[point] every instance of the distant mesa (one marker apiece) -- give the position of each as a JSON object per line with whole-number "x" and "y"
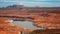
{"x": 19, "y": 7}
{"x": 13, "y": 7}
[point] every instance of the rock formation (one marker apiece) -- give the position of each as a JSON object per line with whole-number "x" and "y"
{"x": 46, "y": 18}
{"x": 41, "y": 19}
{"x": 7, "y": 27}
{"x": 50, "y": 22}
{"x": 47, "y": 31}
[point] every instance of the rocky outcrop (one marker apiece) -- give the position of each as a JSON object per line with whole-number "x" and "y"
{"x": 50, "y": 22}
{"x": 47, "y": 31}
{"x": 41, "y": 19}
{"x": 7, "y": 27}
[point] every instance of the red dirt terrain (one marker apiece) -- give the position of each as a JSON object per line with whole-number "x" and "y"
{"x": 7, "y": 27}
{"x": 45, "y": 18}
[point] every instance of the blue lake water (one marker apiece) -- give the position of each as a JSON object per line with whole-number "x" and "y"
{"x": 26, "y": 24}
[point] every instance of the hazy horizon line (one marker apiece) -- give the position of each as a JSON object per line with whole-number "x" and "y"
{"x": 19, "y": 4}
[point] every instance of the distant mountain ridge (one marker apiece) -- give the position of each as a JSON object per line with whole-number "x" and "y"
{"x": 19, "y": 7}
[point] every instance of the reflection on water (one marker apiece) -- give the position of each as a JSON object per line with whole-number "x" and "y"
{"x": 26, "y": 24}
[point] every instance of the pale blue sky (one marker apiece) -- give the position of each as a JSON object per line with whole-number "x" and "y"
{"x": 29, "y": 0}
{"x": 31, "y": 3}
